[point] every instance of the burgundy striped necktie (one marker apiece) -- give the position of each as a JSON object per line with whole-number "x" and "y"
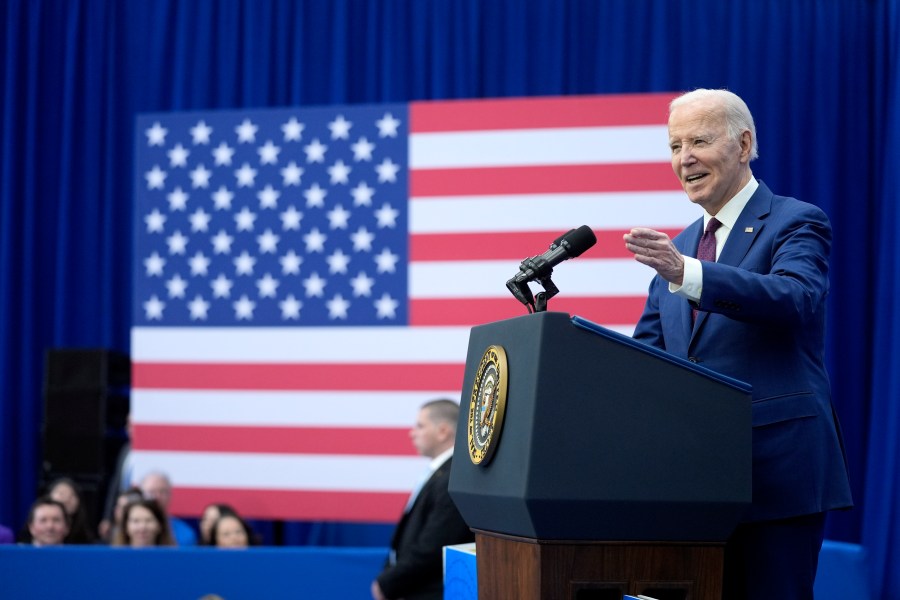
{"x": 707, "y": 248}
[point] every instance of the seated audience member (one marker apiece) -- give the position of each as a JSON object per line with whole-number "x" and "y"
{"x": 123, "y": 499}
{"x": 231, "y": 531}
{"x": 6, "y": 535}
{"x": 144, "y": 525}
{"x": 430, "y": 520}
{"x": 68, "y": 493}
{"x": 48, "y": 522}
{"x": 210, "y": 515}
{"x": 157, "y": 486}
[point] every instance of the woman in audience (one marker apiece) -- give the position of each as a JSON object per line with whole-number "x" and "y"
{"x": 231, "y": 531}
{"x": 68, "y": 493}
{"x": 210, "y": 515}
{"x": 144, "y": 525}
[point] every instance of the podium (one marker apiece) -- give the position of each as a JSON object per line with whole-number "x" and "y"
{"x": 617, "y": 468}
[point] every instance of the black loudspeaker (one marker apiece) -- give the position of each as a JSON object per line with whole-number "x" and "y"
{"x": 85, "y": 411}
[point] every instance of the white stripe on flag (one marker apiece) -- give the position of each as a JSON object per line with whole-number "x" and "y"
{"x": 562, "y": 146}
{"x": 487, "y": 279}
{"x": 622, "y": 210}
{"x": 282, "y": 472}
{"x": 282, "y": 408}
{"x": 261, "y": 345}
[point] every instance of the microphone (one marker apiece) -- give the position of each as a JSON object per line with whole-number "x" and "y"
{"x": 569, "y": 245}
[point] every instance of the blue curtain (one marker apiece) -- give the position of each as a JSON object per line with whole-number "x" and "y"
{"x": 820, "y": 77}
{"x": 881, "y": 517}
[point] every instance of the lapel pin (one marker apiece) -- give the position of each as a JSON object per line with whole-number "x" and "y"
{"x": 748, "y": 230}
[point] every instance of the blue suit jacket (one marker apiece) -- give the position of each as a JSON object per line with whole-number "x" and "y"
{"x": 762, "y": 321}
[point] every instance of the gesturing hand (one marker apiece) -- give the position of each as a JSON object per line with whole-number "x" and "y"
{"x": 657, "y": 251}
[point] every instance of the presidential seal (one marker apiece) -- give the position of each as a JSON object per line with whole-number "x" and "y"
{"x": 487, "y": 404}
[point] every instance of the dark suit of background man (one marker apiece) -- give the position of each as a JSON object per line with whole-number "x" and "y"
{"x": 760, "y": 317}
{"x": 414, "y": 570}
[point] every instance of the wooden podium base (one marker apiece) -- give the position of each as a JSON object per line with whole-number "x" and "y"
{"x": 511, "y": 567}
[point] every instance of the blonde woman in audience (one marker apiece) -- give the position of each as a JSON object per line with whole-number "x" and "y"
{"x": 144, "y": 525}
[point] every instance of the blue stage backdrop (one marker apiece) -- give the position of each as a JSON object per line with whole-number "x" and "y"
{"x": 820, "y": 77}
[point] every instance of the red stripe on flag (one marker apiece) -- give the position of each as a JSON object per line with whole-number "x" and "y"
{"x": 373, "y": 507}
{"x": 296, "y": 376}
{"x": 516, "y": 245}
{"x": 545, "y": 179}
{"x": 539, "y": 113}
{"x": 609, "y": 310}
{"x": 274, "y": 440}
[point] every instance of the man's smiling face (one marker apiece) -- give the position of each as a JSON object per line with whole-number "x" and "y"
{"x": 711, "y": 167}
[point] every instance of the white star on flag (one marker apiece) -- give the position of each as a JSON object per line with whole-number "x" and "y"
{"x": 362, "y": 194}
{"x": 243, "y": 264}
{"x": 338, "y": 307}
{"x": 268, "y": 154}
{"x": 362, "y": 149}
{"x": 290, "y": 307}
{"x": 387, "y": 125}
{"x": 290, "y": 219}
{"x": 291, "y": 174}
{"x": 223, "y": 154}
{"x": 156, "y": 135}
{"x": 290, "y": 263}
{"x": 246, "y": 176}
{"x": 338, "y": 217}
{"x": 178, "y": 156}
{"x": 177, "y": 199}
{"x": 387, "y": 171}
{"x": 200, "y": 177}
{"x": 199, "y": 308}
{"x": 154, "y": 308}
{"x": 244, "y": 220}
{"x": 177, "y": 243}
{"x": 156, "y": 178}
{"x": 315, "y": 151}
{"x": 292, "y": 130}
{"x": 200, "y": 133}
{"x": 222, "y": 198}
{"x": 243, "y": 308}
{"x": 340, "y": 128}
{"x": 200, "y": 220}
{"x": 176, "y": 286}
{"x": 154, "y": 264}
{"x": 362, "y": 284}
{"x": 246, "y": 132}
{"x": 155, "y": 221}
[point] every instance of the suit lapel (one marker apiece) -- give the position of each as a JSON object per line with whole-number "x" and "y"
{"x": 747, "y": 227}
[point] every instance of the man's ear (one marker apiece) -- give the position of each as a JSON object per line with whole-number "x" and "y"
{"x": 746, "y": 144}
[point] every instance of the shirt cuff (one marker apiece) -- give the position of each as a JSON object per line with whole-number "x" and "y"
{"x": 692, "y": 282}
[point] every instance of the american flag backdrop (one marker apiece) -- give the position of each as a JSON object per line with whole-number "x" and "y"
{"x": 305, "y": 278}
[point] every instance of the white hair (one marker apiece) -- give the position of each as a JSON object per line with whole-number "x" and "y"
{"x": 734, "y": 109}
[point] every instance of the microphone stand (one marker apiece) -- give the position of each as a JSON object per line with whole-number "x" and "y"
{"x": 523, "y": 293}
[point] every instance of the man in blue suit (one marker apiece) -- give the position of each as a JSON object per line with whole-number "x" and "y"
{"x": 742, "y": 292}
